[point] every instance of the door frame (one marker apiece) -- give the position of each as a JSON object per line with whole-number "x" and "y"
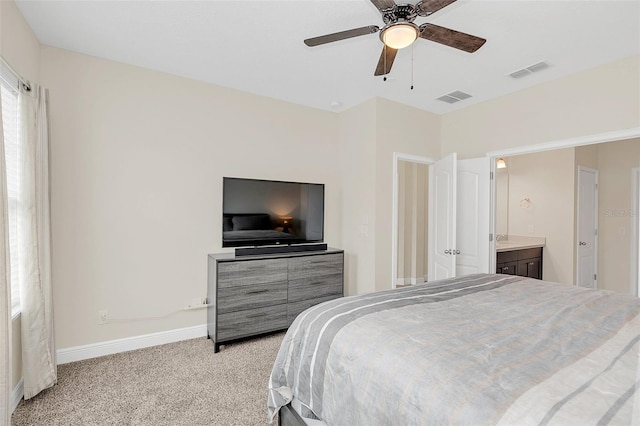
{"x": 577, "y": 239}
{"x": 598, "y": 138}
{"x": 399, "y": 156}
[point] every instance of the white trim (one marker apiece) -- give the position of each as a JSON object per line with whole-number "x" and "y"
{"x": 78, "y": 353}
{"x": 617, "y": 135}
{"x": 635, "y": 231}
{"x": 398, "y": 156}
{"x": 17, "y": 395}
{"x": 493, "y": 201}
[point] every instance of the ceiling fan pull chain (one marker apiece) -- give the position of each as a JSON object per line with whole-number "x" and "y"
{"x": 412, "y": 49}
{"x": 385, "y": 63}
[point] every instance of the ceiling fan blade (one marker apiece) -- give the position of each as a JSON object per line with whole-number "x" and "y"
{"x": 342, "y": 35}
{"x": 383, "y": 4}
{"x": 386, "y": 61}
{"x": 427, "y": 7}
{"x": 451, "y": 38}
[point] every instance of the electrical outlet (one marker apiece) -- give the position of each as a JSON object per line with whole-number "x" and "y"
{"x": 102, "y": 316}
{"x": 197, "y": 303}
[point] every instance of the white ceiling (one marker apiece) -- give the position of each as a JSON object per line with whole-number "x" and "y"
{"x": 256, "y": 46}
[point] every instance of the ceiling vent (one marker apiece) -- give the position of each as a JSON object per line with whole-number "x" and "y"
{"x": 453, "y": 97}
{"x": 529, "y": 70}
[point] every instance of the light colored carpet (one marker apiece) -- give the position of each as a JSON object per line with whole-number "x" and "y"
{"x": 182, "y": 383}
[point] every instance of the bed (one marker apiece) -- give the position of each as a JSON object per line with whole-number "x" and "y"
{"x": 479, "y": 349}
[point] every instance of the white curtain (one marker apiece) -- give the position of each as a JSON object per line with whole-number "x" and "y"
{"x": 5, "y": 293}
{"x": 34, "y": 243}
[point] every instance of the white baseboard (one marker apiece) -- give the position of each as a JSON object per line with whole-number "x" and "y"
{"x": 16, "y": 395}
{"x": 78, "y": 353}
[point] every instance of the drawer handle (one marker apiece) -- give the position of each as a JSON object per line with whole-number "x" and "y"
{"x": 531, "y": 263}
{"x": 256, "y": 291}
{"x": 256, "y": 315}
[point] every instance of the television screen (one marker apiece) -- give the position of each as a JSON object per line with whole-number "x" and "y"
{"x": 263, "y": 212}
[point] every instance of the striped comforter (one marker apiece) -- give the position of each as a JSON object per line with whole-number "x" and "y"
{"x": 479, "y": 349}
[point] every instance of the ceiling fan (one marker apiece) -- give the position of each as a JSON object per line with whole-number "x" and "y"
{"x": 400, "y": 31}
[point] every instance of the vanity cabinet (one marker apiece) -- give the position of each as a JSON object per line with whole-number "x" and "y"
{"x": 252, "y": 295}
{"x": 523, "y": 262}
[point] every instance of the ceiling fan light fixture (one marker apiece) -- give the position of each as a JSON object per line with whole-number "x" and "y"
{"x": 399, "y": 35}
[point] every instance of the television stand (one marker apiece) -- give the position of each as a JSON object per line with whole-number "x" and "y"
{"x": 252, "y": 295}
{"x": 252, "y": 251}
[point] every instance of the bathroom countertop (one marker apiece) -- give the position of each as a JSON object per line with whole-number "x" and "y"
{"x": 516, "y": 242}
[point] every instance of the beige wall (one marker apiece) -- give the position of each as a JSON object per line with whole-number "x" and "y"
{"x": 602, "y": 99}
{"x": 357, "y": 156}
{"x": 370, "y": 134}
{"x": 615, "y": 161}
{"x": 20, "y": 47}
{"x": 547, "y": 179}
{"x": 409, "y": 131}
{"x": 137, "y": 160}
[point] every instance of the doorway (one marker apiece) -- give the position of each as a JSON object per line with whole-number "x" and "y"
{"x": 410, "y": 218}
{"x": 618, "y": 224}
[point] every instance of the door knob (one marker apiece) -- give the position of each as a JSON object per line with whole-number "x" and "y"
{"x": 448, "y": 251}
{"x": 457, "y": 251}
{"x": 582, "y": 243}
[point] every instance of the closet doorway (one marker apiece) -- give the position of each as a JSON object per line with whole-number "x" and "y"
{"x": 410, "y": 219}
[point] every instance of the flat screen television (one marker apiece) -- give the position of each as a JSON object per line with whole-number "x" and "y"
{"x": 265, "y": 212}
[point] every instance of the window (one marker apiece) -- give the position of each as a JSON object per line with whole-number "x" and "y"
{"x": 9, "y": 87}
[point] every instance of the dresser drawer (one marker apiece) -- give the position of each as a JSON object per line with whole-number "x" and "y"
{"x": 314, "y": 266}
{"x": 294, "y": 309}
{"x": 245, "y": 297}
{"x": 251, "y": 272}
{"x": 314, "y": 287}
{"x": 238, "y": 324}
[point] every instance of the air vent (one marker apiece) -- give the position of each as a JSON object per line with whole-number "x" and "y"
{"x": 529, "y": 70}
{"x": 454, "y": 97}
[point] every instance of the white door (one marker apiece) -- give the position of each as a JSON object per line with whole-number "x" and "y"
{"x": 442, "y": 218}
{"x": 473, "y": 210}
{"x": 587, "y": 238}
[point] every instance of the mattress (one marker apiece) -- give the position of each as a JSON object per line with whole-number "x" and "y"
{"x": 480, "y": 349}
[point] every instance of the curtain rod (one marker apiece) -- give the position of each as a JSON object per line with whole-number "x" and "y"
{"x": 24, "y": 82}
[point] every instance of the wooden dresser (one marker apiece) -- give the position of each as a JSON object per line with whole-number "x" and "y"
{"x": 252, "y": 295}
